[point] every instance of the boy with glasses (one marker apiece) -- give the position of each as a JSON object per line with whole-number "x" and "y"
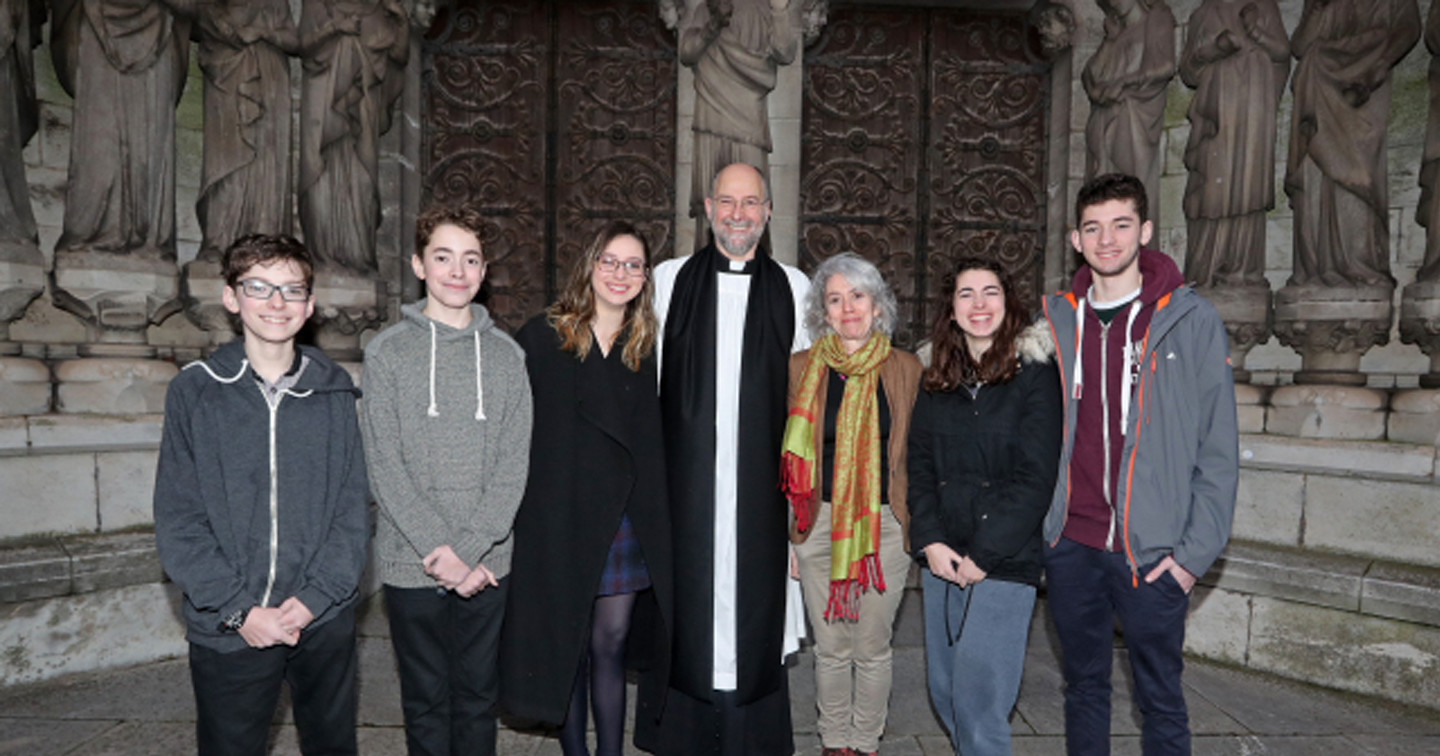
{"x": 261, "y": 514}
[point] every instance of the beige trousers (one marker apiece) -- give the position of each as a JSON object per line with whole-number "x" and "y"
{"x": 852, "y": 659}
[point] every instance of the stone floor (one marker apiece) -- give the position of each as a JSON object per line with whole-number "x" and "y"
{"x": 148, "y": 710}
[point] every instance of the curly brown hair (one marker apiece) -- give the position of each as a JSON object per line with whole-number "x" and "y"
{"x": 574, "y": 310}
{"x": 436, "y": 215}
{"x": 950, "y": 362}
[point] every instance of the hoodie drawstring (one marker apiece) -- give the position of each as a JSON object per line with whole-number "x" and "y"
{"x": 243, "y": 364}
{"x": 1077, "y": 380}
{"x": 479, "y": 387}
{"x": 1127, "y": 379}
{"x": 433, "y": 410}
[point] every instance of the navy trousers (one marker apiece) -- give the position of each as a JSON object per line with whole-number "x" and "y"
{"x": 1087, "y": 590}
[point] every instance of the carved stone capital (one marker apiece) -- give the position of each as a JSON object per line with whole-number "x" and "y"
{"x": 1420, "y": 325}
{"x": 345, "y": 307}
{"x": 1056, "y": 25}
{"x": 116, "y": 296}
{"x": 1332, "y": 328}
{"x": 1248, "y": 319}
{"x": 113, "y": 385}
{"x": 22, "y": 279}
{"x": 201, "y": 285}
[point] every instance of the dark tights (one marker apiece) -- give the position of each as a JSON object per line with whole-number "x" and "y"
{"x": 604, "y": 666}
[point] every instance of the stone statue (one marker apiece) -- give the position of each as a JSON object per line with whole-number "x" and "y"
{"x": 1428, "y": 211}
{"x": 354, "y": 60}
{"x": 124, "y": 62}
{"x": 1336, "y": 172}
{"x": 19, "y": 119}
{"x": 736, "y": 48}
{"x": 1126, "y": 81}
{"x": 1237, "y": 58}
{"x": 245, "y": 182}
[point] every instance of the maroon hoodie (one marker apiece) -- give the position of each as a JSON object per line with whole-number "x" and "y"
{"x": 1092, "y": 493}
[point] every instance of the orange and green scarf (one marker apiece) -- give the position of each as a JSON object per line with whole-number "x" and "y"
{"x": 855, "y": 490}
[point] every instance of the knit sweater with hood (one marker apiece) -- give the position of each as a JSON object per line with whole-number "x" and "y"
{"x": 446, "y": 420}
{"x": 1150, "y": 462}
{"x": 260, "y": 497}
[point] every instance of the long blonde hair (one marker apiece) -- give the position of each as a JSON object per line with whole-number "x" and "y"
{"x": 574, "y": 311}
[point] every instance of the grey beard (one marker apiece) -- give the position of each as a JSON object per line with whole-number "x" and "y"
{"x": 736, "y": 247}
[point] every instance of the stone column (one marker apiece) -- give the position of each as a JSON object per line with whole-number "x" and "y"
{"x": 1332, "y": 327}
{"x": 1248, "y": 319}
{"x": 24, "y": 382}
{"x": 346, "y": 305}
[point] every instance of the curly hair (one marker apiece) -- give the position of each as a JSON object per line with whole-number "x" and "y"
{"x": 573, "y": 312}
{"x": 863, "y": 275}
{"x": 950, "y": 362}
{"x": 436, "y": 215}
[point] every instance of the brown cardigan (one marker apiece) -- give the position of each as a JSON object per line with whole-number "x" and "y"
{"x": 900, "y": 378}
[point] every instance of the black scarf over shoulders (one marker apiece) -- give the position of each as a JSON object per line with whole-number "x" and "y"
{"x": 688, "y": 408}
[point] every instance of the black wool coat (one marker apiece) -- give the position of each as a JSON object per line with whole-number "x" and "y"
{"x": 983, "y": 468}
{"x": 596, "y": 453}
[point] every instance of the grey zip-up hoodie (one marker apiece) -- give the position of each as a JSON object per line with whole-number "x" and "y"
{"x": 1179, "y": 461}
{"x": 259, "y": 498}
{"x": 446, "y": 420}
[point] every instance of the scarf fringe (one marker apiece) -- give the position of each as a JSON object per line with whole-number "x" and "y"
{"x": 797, "y": 476}
{"x": 845, "y": 594}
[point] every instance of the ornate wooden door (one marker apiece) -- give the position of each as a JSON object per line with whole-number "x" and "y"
{"x": 924, "y": 140}
{"x": 553, "y": 118}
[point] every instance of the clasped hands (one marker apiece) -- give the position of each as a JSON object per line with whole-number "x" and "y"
{"x": 266, "y": 626}
{"x": 946, "y": 564}
{"x": 452, "y": 573}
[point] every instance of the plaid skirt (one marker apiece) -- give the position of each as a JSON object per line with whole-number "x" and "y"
{"x": 625, "y": 566}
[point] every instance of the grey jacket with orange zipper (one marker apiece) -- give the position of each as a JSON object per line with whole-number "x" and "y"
{"x": 1179, "y": 458}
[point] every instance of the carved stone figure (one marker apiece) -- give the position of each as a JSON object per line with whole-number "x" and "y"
{"x": 1427, "y": 213}
{"x": 245, "y": 181}
{"x": 19, "y": 118}
{"x": 124, "y": 62}
{"x": 22, "y": 271}
{"x": 1336, "y": 172}
{"x": 1237, "y": 58}
{"x": 354, "y": 59}
{"x": 736, "y": 48}
{"x": 1125, "y": 81}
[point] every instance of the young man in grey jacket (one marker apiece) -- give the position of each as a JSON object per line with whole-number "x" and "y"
{"x": 446, "y": 420}
{"x": 261, "y": 515}
{"x": 1149, "y": 467}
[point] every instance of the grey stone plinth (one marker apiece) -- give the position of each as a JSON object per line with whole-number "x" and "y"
{"x": 117, "y": 296}
{"x": 24, "y": 386}
{"x": 1311, "y": 411}
{"x": 1305, "y": 577}
{"x": 1332, "y": 328}
{"x": 1380, "y": 519}
{"x": 1420, "y": 325}
{"x": 47, "y": 494}
{"x": 1373, "y": 459}
{"x": 1269, "y": 507}
{"x": 75, "y": 433}
{"x": 1250, "y": 407}
{"x": 113, "y": 385}
{"x": 1218, "y": 626}
{"x": 1247, "y": 316}
{"x": 33, "y": 572}
{"x": 345, "y": 307}
{"x": 113, "y": 561}
{"x": 43, "y": 639}
{"x": 201, "y": 288}
{"x": 1415, "y": 417}
{"x": 1402, "y": 591}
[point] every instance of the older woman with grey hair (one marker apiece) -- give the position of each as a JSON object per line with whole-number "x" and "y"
{"x": 843, "y": 470}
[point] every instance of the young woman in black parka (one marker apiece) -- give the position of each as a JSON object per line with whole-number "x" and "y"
{"x": 984, "y": 450}
{"x": 592, "y": 537}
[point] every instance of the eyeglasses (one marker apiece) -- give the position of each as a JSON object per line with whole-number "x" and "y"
{"x": 614, "y": 265}
{"x": 256, "y": 289}
{"x": 728, "y": 204}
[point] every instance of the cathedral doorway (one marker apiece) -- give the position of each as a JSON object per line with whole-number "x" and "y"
{"x": 925, "y": 139}
{"x": 553, "y": 118}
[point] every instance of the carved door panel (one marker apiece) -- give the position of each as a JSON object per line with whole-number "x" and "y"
{"x": 553, "y": 118}
{"x": 924, "y": 140}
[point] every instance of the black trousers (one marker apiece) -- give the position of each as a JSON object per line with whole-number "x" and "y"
{"x": 446, "y": 648}
{"x": 721, "y": 726}
{"x": 236, "y": 692}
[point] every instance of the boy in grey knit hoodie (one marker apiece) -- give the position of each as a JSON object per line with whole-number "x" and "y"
{"x": 446, "y": 421}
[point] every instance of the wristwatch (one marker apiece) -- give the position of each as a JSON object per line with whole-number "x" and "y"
{"x": 235, "y": 621}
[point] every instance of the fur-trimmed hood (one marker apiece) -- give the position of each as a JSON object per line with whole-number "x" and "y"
{"x": 1034, "y": 344}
